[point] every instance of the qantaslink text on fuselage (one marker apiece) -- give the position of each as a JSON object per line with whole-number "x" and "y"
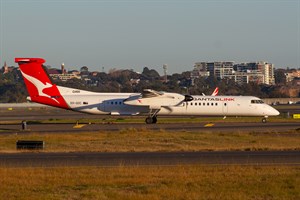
{"x": 213, "y": 99}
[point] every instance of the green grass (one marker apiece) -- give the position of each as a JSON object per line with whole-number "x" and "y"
{"x": 143, "y": 183}
{"x": 138, "y": 140}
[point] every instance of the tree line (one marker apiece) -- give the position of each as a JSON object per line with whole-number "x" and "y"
{"x": 12, "y": 87}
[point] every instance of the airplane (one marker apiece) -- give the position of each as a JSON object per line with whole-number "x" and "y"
{"x": 149, "y": 102}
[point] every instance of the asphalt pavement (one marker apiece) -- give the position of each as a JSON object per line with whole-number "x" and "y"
{"x": 149, "y": 158}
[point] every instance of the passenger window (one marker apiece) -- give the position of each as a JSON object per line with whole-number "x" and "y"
{"x": 212, "y": 104}
{"x": 195, "y": 104}
{"x": 208, "y": 104}
{"x": 257, "y": 102}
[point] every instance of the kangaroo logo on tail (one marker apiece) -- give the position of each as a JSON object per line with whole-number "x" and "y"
{"x": 38, "y": 84}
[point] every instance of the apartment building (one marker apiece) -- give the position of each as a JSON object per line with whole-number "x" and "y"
{"x": 259, "y": 72}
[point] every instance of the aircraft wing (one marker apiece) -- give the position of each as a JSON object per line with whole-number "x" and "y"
{"x": 148, "y": 93}
{"x": 155, "y": 100}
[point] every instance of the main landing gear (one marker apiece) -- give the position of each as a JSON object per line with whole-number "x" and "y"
{"x": 152, "y": 118}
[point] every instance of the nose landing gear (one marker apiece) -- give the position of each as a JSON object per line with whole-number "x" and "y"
{"x": 264, "y": 120}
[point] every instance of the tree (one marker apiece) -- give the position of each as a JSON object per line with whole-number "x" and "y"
{"x": 212, "y": 81}
{"x": 280, "y": 77}
{"x": 150, "y": 74}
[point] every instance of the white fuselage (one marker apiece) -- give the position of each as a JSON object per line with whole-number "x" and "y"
{"x": 113, "y": 104}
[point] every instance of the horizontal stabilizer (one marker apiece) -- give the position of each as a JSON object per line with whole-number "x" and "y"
{"x": 30, "y": 60}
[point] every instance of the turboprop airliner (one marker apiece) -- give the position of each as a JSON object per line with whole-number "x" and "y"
{"x": 149, "y": 102}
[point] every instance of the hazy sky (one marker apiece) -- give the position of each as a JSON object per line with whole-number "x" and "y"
{"x": 132, "y": 34}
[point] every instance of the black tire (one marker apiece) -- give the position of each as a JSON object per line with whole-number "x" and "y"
{"x": 264, "y": 120}
{"x": 154, "y": 120}
{"x": 149, "y": 120}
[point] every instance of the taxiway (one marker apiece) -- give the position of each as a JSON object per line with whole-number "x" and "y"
{"x": 149, "y": 158}
{"x": 218, "y": 126}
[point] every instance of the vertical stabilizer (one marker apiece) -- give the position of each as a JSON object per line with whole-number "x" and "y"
{"x": 215, "y": 92}
{"x": 39, "y": 86}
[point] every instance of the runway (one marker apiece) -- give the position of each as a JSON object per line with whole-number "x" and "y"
{"x": 150, "y": 159}
{"x": 217, "y": 126}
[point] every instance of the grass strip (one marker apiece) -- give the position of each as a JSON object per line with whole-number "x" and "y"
{"x": 139, "y": 140}
{"x": 141, "y": 183}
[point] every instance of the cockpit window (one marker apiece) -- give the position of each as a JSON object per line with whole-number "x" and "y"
{"x": 257, "y": 101}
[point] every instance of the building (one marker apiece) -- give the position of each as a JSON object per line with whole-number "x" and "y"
{"x": 246, "y": 77}
{"x": 220, "y": 69}
{"x": 259, "y": 72}
{"x": 200, "y": 70}
{"x": 62, "y": 74}
{"x": 290, "y": 76}
{"x": 259, "y": 69}
{"x": 6, "y": 69}
{"x": 217, "y": 69}
{"x": 64, "y": 77}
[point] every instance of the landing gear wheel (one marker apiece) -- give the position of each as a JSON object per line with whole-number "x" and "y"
{"x": 149, "y": 120}
{"x": 154, "y": 120}
{"x": 264, "y": 120}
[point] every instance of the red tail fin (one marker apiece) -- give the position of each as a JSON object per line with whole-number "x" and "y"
{"x": 215, "y": 92}
{"x": 39, "y": 86}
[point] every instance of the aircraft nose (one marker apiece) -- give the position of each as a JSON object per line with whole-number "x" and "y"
{"x": 277, "y": 112}
{"x": 273, "y": 112}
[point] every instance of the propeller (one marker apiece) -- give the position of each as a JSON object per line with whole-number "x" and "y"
{"x": 188, "y": 98}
